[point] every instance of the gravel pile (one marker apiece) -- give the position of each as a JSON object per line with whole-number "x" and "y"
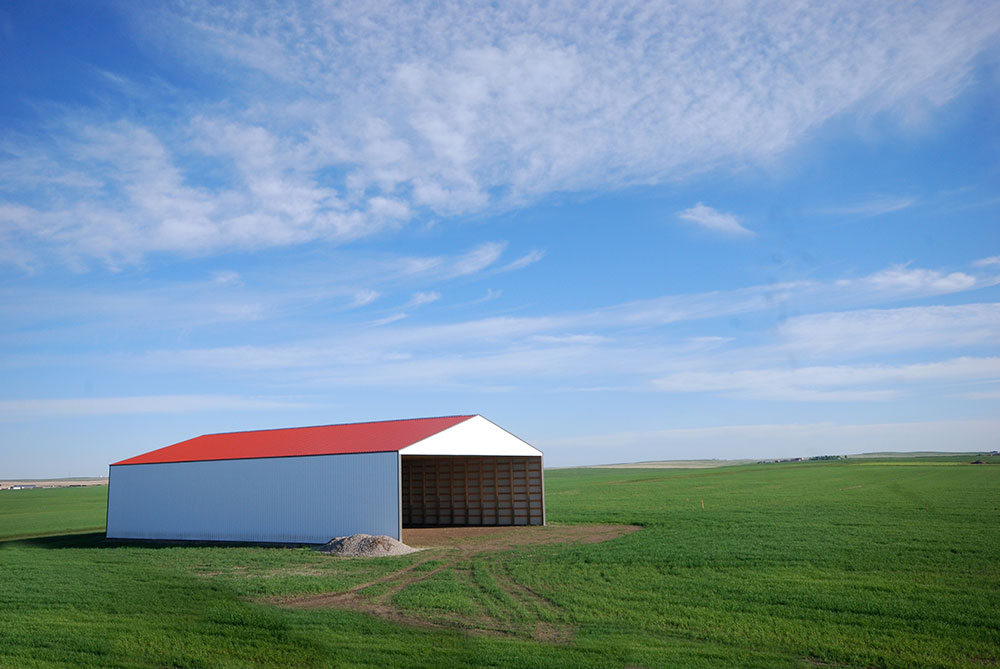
{"x": 366, "y": 545}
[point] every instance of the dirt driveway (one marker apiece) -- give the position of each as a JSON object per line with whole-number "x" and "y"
{"x": 456, "y": 549}
{"x": 500, "y": 538}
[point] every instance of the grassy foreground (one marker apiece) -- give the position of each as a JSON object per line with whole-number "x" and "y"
{"x": 860, "y": 563}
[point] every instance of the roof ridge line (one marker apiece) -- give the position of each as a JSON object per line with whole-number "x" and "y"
{"x": 361, "y": 422}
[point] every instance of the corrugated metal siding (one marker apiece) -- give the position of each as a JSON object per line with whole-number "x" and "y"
{"x": 294, "y": 500}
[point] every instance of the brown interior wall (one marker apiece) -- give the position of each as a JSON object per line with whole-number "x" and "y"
{"x": 466, "y": 490}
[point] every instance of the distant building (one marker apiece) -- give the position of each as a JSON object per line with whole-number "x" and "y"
{"x": 23, "y": 486}
{"x": 310, "y": 484}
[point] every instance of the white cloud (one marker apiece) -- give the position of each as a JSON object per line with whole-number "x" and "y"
{"x": 716, "y": 221}
{"x": 143, "y": 201}
{"x": 442, "y": 109}
{"x": 900, "y": 280}
{"x": 987, "y": 262}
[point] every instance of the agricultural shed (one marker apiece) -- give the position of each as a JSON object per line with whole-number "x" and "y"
{"x": 310, "y": 484}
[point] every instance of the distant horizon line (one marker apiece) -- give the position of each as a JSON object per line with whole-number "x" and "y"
{"x": 11, "y": 480}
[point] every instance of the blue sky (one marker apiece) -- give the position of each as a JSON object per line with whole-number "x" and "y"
{"x": 621, "y": 231}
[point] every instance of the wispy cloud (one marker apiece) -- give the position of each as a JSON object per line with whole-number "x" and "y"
{"x": 716, "y": 221}
{"x": 882, "y": 331}
{"x": 982, "y": 395}
{"x": 529, "y": 258}
{"x": 442, "y": 109}
{"x": 643, "y": 345}
{"x": 987, "y": 262}
{"x": 901, "y": 280}
{"x": 269, "y": 290}
{"x": 478, "y": 258}
{"x": 297, "y": 290}
{"x": 771, "y": 441}
{"x": 294, "y": 360}
{"x": 34, "y": 409}
{"x": 420, "y": 299}
{"x": 227, "y": 278}
{"x": 490, "y": 295}
{"x": 874, "y": 207}
{"x": 828, "y": 383}
{"x": 632, "y": 345}
{"x": 363, "y": 297}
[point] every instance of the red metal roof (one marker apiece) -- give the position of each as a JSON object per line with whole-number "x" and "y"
{"x": 390, "y": 435}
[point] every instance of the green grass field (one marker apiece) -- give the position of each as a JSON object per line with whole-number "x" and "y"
{"x": 859, "y": 563}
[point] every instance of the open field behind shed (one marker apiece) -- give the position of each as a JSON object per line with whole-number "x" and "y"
{"x": 74, "y": 482}
{"x": 673, "y": 464}
{"x": 842, "y": 563}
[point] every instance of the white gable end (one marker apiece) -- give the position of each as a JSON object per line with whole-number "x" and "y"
{"x": 476, "y": 436}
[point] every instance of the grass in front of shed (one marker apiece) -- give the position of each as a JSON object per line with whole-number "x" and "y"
{"x": 845, "y": 563}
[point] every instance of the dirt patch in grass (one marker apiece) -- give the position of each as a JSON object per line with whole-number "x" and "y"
{"x": 500, "y": 538}
{"x": 455, "y": 548}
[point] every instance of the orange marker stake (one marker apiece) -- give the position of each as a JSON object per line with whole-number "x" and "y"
{"x": 703, "y": 504}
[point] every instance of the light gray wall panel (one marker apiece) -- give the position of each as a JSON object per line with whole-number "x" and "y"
{"x": 294, "y": 500}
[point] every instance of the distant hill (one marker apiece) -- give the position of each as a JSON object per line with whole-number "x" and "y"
{"x": 707, "y": 464}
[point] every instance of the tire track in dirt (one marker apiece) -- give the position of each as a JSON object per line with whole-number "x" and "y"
{"x": 524, "y": 593}
{"x": 534, "y": 616}
{"x": 423, "y": 576}
{"x": 544, "y": 630}
{"x": 332, "y": 598}
{"x": 502, "y": 608}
